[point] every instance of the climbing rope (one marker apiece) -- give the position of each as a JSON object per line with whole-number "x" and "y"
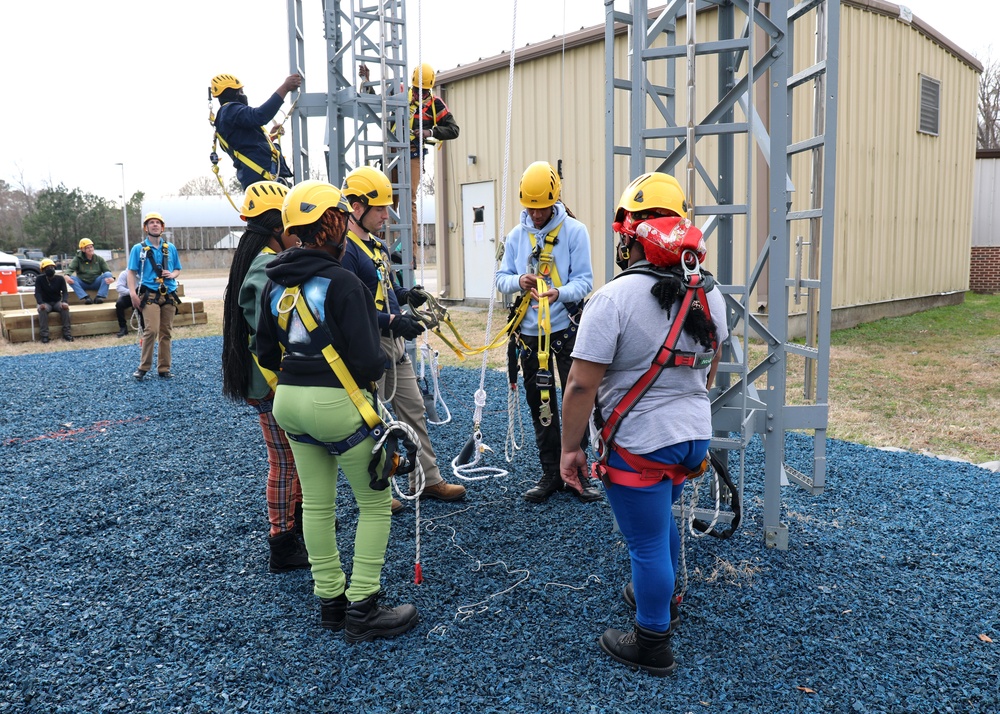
{"x": 479, "y": 448}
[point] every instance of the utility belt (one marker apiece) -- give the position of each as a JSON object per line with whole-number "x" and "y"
{"x": 559, "y": 339}
{"x": 338, "y": 448}
{"x": 158, "y": 297}
{"x": 647, "y": 472}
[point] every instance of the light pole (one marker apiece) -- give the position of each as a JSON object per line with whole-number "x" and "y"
{"x": 124, "y": 213}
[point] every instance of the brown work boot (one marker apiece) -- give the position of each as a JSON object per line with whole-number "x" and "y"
{"x": 396, "y": 506}
{"x": 443, "y": 491}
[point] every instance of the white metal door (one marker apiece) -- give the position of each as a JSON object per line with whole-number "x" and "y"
{"x": 479, "y": 237}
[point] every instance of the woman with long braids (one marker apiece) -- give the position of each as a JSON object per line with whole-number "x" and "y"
{"x": 646, "y": 354}
{"x": 318, "y": 324}
{"x": 243, "y": 380}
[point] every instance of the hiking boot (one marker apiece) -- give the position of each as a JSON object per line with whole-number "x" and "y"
{"x": 548, "y": 484}
{"x": 590, "y": 494}
{"x": 122, "y": 332}
{"x": 367, "y": 620}
{"x": 139, "y": 374}
{"x": 98, "y": 300}
{"x": 443, "y": 491}
{"x": 88, "y": 301}
{"x": 68, "y": 337}
{"x": 396, "y": 506}
{"x": 165, "y": 375}
{"x": 333, "y": 612}
{"x": 287, "y": 553}
{"x": 642, "y": 649}
{"x": 628, "y": 595}
{"x": 45, "y": 339}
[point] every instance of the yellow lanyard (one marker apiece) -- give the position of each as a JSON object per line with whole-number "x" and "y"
{"x": 546, "y": 269}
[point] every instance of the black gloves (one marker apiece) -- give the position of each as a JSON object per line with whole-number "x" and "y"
{"x": 405, "y": 326}
{"x": 415, "y": 296}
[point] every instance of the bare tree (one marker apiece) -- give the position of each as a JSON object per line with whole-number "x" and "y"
{"x": 988, "y": 136}
{"x": 209, "y": 186}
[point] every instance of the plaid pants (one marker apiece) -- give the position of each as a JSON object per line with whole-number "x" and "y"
{"x": 283, "y": 490}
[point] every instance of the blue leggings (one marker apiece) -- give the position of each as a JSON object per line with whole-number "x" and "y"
{"x": 646, "y": 520}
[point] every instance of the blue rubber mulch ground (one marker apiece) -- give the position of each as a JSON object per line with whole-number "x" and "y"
{"x": 134, "y": 578}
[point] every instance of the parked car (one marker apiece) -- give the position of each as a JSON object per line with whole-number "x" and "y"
{"x": 30, "y": 254}
{"x": 30, "y": 270}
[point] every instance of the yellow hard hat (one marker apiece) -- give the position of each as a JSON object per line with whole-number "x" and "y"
{"x": 428, "y": 75}
{"x": 651, "y": 191}
{"x": 150, "y": 216}
{"x": 84, "y": 242}
{"x": 306, "y": 202}
{"x": 540, "y": 186}
{"x": 369, "y": 185}
{"x": 222, "y": 82}
{"x": 46, "y": 262}
{"x": 263, "y": 196}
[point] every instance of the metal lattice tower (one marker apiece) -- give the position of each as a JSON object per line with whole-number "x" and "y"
{"x": 750, "y": 398}
{"x": 367, "y": 123}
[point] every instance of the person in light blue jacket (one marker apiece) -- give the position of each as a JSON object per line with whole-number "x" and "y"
{"x": 547, "y": 260}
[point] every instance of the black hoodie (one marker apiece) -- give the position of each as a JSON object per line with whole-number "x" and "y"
{"x": 349, "y": 314}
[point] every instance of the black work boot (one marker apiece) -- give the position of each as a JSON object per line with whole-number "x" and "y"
{"x": 642, "y": 649}
{"x": 367, "y": 620}
{"x": 287, "y": 553}
{"x": 333, "y": 612}
{"x": 628, "y": 595}
{"x": 548, "y": 484}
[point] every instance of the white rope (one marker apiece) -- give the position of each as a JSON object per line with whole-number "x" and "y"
{"x": 515, "y": 424}
{"x": 429, "y": 359}
{"x": 418, "y": 473}
{"x": 460, "y": 471}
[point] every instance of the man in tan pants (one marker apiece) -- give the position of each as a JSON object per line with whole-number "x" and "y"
{"x": 153, "y": 267}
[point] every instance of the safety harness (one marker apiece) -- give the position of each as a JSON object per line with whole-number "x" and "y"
{"x": 162, "y": 294}
{"x": 546, "y": 271}
{"x": 293, "y": 302}
{"x": 381, "y": 269}
{"x": 427, "y": 116}
{"x": 695, "y": 285}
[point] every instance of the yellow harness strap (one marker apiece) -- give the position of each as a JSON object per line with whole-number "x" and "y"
{"x": 336, "y": 363}
{"x": 271, "y": 377}
{"x": 384, "y": 284}
{"x": 546, "y": 269}
{"x": 267, "y": 175}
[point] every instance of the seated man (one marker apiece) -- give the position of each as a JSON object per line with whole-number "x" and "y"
{"x": 123, "y": 302}
{"x": 50, "y": 294}
{"x": 91, "y": 272}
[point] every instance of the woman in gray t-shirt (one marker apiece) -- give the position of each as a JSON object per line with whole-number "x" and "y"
{"x": 667, "y": 431}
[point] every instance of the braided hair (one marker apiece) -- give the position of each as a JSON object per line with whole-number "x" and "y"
{"x": 668, "y": 290}
{"x": 236, "y": 358}
{"x": 328, "y": 228}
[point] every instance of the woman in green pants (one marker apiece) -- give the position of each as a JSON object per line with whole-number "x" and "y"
{"x": 318, "y": 324}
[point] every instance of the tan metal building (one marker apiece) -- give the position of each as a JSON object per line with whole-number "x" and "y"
{"x": 905, "y": 156}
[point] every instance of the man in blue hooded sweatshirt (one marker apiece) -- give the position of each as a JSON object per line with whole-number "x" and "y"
{"x": 547, "y": 259}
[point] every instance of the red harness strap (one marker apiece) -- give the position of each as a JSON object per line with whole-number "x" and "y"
{"x": 647, "y": 472}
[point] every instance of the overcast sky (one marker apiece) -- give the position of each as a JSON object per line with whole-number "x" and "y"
{"x": 90, "y": 84}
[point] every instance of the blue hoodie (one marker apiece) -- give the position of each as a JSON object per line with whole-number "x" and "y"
{"x": 572, "y": 259}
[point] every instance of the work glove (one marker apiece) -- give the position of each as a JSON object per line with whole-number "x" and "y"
{"x": 406, "y": 327}
{"x": 415, "y": 296}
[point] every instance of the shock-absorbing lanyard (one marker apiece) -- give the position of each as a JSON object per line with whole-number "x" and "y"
{"x": 546, "y": 271}
{"x": 381, "y": 269}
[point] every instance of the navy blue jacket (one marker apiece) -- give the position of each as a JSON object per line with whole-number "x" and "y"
{"x": 240, "y": 126}
{"x": 361, "y": 265}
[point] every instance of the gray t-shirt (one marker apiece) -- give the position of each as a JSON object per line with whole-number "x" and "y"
{"x": 623, "y": 327}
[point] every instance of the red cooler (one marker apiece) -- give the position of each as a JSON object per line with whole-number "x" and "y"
{"x": 8, "y": 281}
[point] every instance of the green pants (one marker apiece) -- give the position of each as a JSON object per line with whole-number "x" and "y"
{"x": 327, "y": 414}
